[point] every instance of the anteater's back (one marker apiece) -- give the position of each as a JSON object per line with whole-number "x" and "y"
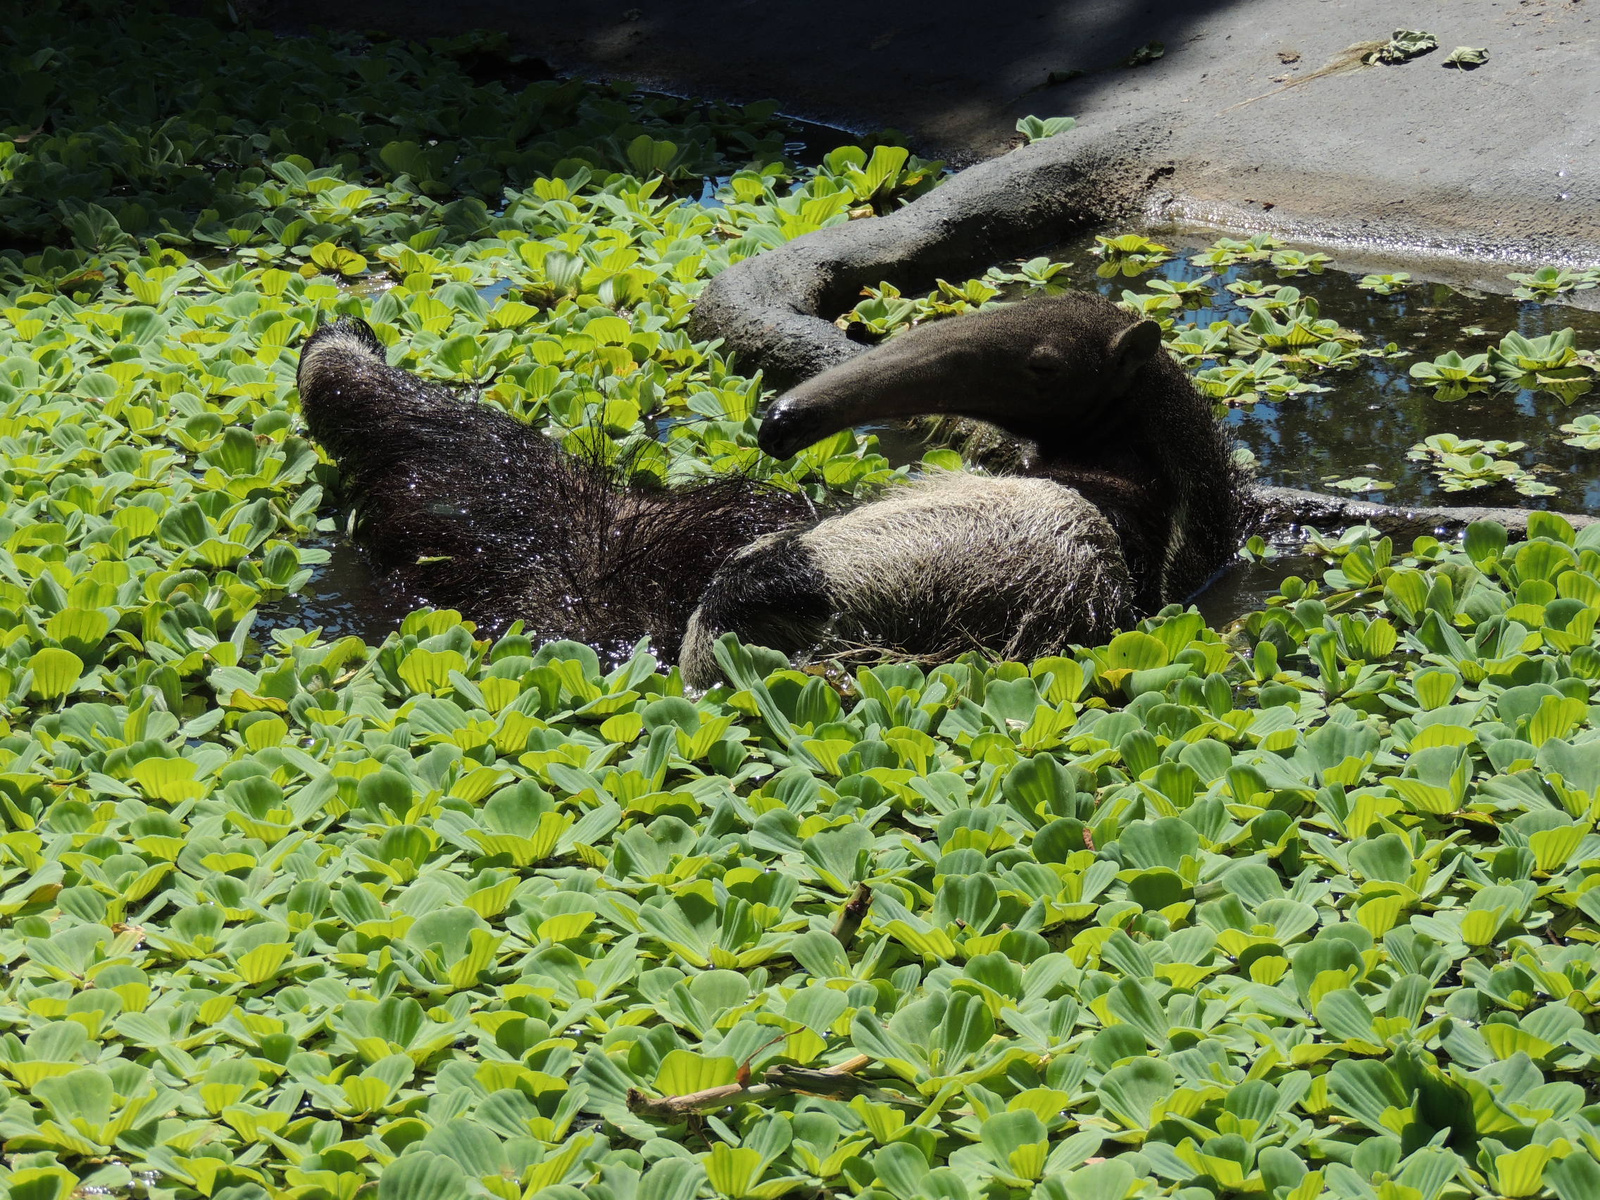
{"x": 462, "y": 506}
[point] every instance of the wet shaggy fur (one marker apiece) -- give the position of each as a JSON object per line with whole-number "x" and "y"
{"x": 462, "y": 506}
{"x": 1128, "y": 500}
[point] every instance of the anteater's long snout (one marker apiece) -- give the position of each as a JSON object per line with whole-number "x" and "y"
{"x": 910, "y": 376}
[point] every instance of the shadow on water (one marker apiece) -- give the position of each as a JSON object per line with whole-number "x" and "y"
{"x": 808, "y": 144}
{"x": 1363, "y": 425}
{"x": 1244, "y": 586}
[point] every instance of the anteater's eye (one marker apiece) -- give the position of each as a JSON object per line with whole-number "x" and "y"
{"x": 1045, "y": 360}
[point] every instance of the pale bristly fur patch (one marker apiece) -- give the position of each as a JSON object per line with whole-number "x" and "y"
{"x": 975, "y": 554}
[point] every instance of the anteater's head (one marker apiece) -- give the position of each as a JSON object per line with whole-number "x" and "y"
{"x": 1041, "y": 368}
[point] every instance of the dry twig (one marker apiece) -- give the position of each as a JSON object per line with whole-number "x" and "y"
{"x": 779, "y": 1080}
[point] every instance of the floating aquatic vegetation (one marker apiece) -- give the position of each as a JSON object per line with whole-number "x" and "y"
{"x": 1386, "y": 285}
{"x": 1226, "y": 252}
{"x": 1289, "y": 324}
{"x": 1359, "y": 483}
{"x": 1299, "y": 262}
{"x": 1128, "y": 254}
{"x": 1452, "y": 376}
{"x": 1242, "y": 382}
{"x": 1035, "y": 273}
{"x": 1193, "y": 342}
{"x": 1546, "y": 283}
{"x": 885, "y": 311}
{"x": 1188, "y": 293}
{"x": 1465, "y": 464}
{"x": 879, "y": 182}
{"x": 1517, "y": 356}
{"x": 1585, "y": 431}
{"x": 1279, "y": 909}
{"x": 1550, "y": 363}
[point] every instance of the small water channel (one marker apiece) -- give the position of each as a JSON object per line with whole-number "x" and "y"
{"x": 1373, "y": 413}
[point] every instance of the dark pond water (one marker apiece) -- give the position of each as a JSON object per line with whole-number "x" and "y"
{"x": 1372, "y": 415}
{"x": 1363, "y": 425}
{"x": 808, "y": 143}
{"x": 342, "y": 598}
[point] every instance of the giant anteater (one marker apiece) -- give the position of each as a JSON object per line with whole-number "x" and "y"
{"x": 1126, "y": 498}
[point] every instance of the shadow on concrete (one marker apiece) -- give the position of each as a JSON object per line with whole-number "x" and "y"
{"x": 947, "y": 70}
{"x": 1498, "y": 163}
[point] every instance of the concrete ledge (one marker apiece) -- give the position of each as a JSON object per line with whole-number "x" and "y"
{"x": 1258, "y": 114}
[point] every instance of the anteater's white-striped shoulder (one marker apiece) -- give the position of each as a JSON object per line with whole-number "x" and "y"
{"x": 939, "y": 566}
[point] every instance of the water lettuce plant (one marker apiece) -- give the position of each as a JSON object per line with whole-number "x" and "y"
{"x": 1299, "y": 262}
{"x": 1386, "y": 284}
{"x": 1452, "y": 376}
{"x": 1305, "y": 906}
{"x": 1585, "y": 431}
{"x": 1466, "y": 464}
{"x": 1226, "y": 252}
{"x": 1546, "y": 283}
{"x": 1128, "y": 254}
{"x": 1359, "y": 483}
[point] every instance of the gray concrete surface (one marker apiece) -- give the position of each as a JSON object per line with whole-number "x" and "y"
{"x": 1240, "y": 124}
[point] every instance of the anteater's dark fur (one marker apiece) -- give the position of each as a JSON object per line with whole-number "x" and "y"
{"x": 462, "y": 506}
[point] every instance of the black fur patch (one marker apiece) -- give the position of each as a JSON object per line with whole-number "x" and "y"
{"x": 462, "y": 506}
{"x": 771, "y": 595}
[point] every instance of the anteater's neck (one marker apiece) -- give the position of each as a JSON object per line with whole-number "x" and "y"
{"x": 1161, "y": 468}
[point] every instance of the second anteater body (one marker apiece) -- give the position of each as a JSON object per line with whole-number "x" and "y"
{"x": 1129, "y": 499}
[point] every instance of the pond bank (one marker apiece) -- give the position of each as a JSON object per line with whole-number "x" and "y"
{"x": 1255, "y": 117}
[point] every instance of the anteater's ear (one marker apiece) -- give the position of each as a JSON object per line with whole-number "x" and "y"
{"x": 1133, "y": 347}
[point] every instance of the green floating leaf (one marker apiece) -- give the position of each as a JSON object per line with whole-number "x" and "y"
{"x": 422, "y": 1176}
{"x": 683, "y": 1072}
{"x": 1576, "y": 1176}
{"x": 55, "y": 672}
{"x": 1131, "y": 1092}
{"x": 1371, "y": 1092}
